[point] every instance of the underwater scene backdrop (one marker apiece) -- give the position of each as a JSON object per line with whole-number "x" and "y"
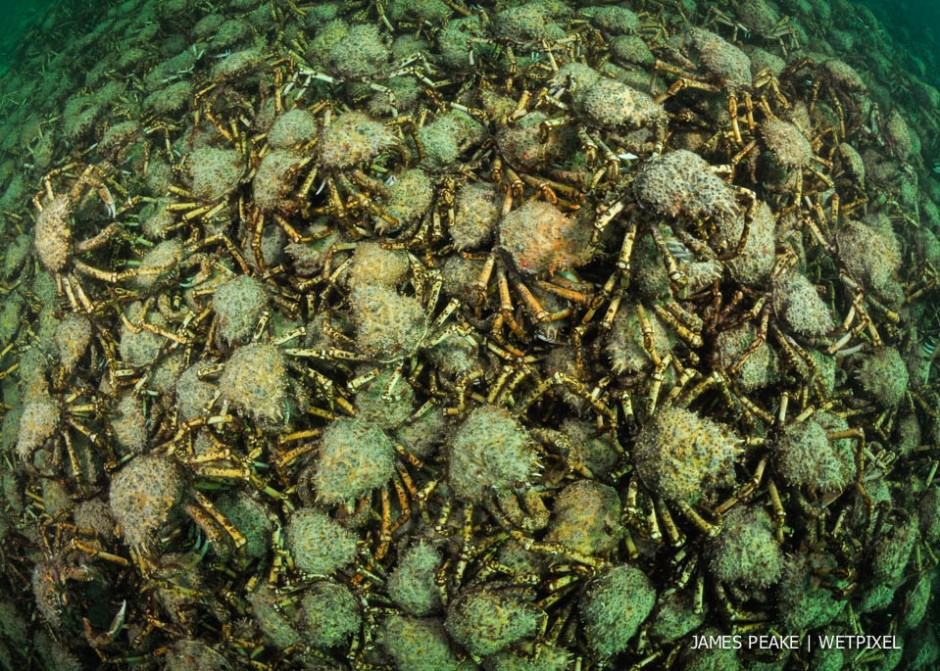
{"x": 430, "y": 335}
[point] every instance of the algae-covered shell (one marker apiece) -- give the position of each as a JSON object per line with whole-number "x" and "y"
{"x": 318, "y": 544}
{"x": 616, "y": 603}
{"x": 685, "y": 456}
{"x": 490, "y": 451}
{"x": 145, "y": 495}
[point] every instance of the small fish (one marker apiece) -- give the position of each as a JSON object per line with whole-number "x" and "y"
{"x": 679, "y": 251}
{"x": 929, "y": 346}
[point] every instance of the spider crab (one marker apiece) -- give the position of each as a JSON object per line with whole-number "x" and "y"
{"x": 53, "y": 240}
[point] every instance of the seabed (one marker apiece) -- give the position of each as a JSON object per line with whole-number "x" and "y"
{"x": 427, "y": 335}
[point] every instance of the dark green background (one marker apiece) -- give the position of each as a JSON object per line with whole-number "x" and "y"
{"x": 18, "y": 16}
{"x": 913, "y": 24}
{"x": 916, "y": 22}
{"x": 915, "y": 27}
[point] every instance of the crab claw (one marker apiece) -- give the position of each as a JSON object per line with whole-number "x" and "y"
{"x": 104, "y": 639}
{"x": 108, "y": 201}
